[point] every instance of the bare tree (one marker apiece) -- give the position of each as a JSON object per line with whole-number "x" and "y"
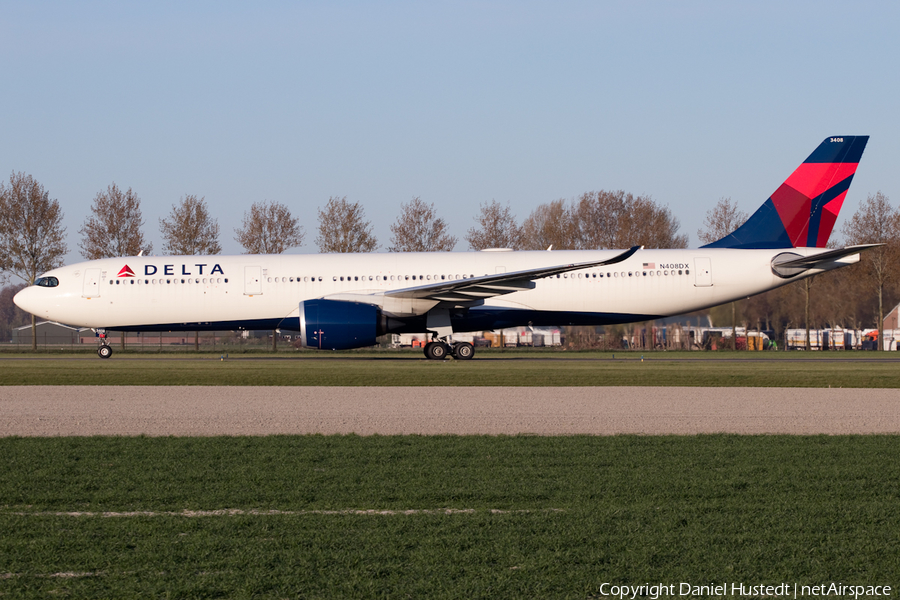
{"x": 721, "y": 220}
{"x": 419, "y": 230}
{"x": 602, "y": 220}
{"x": 549, "y": 224}
{"x": 269, "y": 228}
{"x": 645, "y": 223}
{"x": 32, "y": 238}
{"x": 114, "y": 226}
{"x": 498, "y": 228}
{"x": 343, "y": 228}
{"x": 189, "y": 229}
{"x": 596, "y": 217}
{"x": 877, "y": 222}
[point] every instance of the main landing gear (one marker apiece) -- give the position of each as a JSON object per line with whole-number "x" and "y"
{"x": 439, "y": 350}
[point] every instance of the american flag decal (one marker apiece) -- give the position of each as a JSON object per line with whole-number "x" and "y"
{"x": 649, "y": 265}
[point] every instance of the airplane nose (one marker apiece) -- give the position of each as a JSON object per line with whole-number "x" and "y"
{"x": 25, "y": 300}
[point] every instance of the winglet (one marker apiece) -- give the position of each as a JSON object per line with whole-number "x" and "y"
{"x": 802, "y": 212}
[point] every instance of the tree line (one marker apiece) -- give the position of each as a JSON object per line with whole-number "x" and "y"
{"x": 32, "y": 240}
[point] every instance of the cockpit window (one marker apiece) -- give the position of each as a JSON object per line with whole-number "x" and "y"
{"x": 46, "y": 281}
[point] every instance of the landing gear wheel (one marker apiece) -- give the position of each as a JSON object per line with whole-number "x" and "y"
{"x": 104, "y": 351}
{"x": 463, "y": 351}
{"x": 436, "y": 350}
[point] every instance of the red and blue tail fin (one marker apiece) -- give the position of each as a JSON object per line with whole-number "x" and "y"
{"x": 802, "y": 212}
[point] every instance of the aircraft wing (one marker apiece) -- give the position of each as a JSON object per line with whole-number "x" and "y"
{"x": 488, "y": 286}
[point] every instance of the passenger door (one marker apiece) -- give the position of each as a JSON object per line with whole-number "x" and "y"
{"x": 702, "y": 272}
{"x": 252, "y": 281}
{"x": 91, "y": 286}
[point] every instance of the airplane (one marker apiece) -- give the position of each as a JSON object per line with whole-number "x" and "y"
{"x": 342, "y": 301}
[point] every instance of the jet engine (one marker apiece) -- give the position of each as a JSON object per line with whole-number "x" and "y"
{"x": 339, "y": 325}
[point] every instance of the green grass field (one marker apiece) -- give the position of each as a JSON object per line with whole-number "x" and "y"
{"x": 532, "y": 517}
{"x": 754, "y": 369}
{"x": 444, "y": 516}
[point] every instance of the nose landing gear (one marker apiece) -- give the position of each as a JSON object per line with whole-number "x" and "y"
{"x": 104, "y": 350}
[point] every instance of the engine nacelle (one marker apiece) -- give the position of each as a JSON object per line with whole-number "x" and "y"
{"x": 338, "y": 325}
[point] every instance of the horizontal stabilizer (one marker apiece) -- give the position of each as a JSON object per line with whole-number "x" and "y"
{"x": 790, "y": 264}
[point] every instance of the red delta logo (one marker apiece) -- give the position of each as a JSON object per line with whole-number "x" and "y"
{"x": 126, "y": 272}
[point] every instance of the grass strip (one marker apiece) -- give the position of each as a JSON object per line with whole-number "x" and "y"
{"x": 656, "y": 370}
{"x": 329, "y": 516}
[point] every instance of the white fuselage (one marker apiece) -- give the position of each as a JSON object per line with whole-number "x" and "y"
{"x": 258, "y": 291}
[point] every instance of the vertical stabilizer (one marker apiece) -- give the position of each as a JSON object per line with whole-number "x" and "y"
{"x": 802, "y": 212}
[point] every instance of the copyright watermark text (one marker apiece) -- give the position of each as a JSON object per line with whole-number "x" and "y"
{"x": 655, "y": 591}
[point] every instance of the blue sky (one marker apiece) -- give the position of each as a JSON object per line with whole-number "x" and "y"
{"x": 456, "y": 102}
